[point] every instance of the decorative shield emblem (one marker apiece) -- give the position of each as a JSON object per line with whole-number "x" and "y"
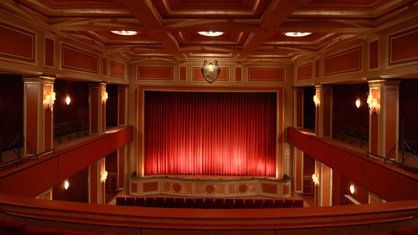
{"x": 210, "y": 71}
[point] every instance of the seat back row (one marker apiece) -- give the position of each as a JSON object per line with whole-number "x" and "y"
{"x": 180, "y": 202}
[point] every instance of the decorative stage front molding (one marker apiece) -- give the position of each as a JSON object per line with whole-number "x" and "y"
{"x": 174, "y": 186}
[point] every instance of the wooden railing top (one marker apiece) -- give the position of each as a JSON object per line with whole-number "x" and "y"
{"x": 187, "y": 218}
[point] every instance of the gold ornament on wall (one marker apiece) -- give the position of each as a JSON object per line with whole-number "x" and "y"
{"x": 210, "y": 71}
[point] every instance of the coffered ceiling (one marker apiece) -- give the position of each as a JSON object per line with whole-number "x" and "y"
{"x": 253, "y": 30}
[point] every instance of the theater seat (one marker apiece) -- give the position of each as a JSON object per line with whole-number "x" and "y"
{"x": 239, "y": 203}
{"x": 34, "y": 230}
{"x": 228, "y": 203}
{"x": 298, "y": 203}
{"x": 381, "y": 233}
{"x": 120, "y": 201}
{"x": 258, "y": 203}
{"x": 130, "y": 201}
{"x": 70, "y": 232}
{"x": 405, "y": 231}
{"x": 11, "y": 227}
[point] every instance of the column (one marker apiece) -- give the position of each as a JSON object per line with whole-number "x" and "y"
{"x": 97, "y": 179}
{"x": 323, "y": 128}
{"x": 322, "y": 179}
{"x": 97, "y": 110}
{"x": 325, "y": 185}
{"x": 39, "y": 98}
{"x": 122, "y": 154}
{"x": 383, "y": 104}
{"x": 323, "y": 111}
{"x": 298, "y": 176}
{"x": 297, "y": 157}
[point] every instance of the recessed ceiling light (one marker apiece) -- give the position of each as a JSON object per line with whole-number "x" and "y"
{"x": 297, "y": 34}
{"x": 124, "y": 32}
{"x": 211, "y": 33}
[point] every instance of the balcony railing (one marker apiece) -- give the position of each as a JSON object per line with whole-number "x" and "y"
{"x": 10, "y": 148}
{"x": 68, "y": 131}
{"x": 11, "y": 153}
{"x": 354, "y": 135}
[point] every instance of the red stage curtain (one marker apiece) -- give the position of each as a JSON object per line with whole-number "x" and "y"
{"x": 210, "y": 133}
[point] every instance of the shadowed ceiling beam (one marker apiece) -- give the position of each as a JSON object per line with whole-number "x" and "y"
{"x": 279, "y": 11}
{"x": 151, "y": 20}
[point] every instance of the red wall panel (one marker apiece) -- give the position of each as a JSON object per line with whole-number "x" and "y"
{"x": 374, "y": 55}
{"x": 49, "y": 52}
{"x": 347, "y": 61}
{"x": 117, "y": 69}
{"x": 76, "y": 59}
{"x": 404, "y": 47}
{"x": 304, "y": 71}
{"x": 17, "y": 43}
{"x": 238, "y": 74}
{"x": 183, "y": 71}
{"x": 266, "y": 74}
{"x": 154, "y": 73}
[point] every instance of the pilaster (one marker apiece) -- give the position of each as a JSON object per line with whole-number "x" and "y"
{"x": 97, "y": 109}
{"x": 383, "y": 103}
{"x": 39, "y": 98}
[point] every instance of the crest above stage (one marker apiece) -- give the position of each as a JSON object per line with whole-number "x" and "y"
{"x": 210, "y": 71}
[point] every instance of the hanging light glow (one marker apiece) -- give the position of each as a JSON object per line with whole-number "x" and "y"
{"x": 210, "y": 33}
{"x": 297, "y": 34}
{"x": 124, "y": 32}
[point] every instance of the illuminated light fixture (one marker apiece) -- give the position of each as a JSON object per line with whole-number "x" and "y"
{"x": 68, "y": 100}
{"x": 124, "y": 32}
{"x": 66, "y": 184}
{"x": 373, "y": 103}
{"x": 49, "y": 100}
{"x": 105, "y": 97}
{"x": 315, "y": 179}
{"x": 210, "y": 33}
{"x": 358, "y": 103}
{"x": 316, "y": 100}
{"x": 297, "y": 34}
{"x": 352, "y": 189}
{"x": 103, "y": 176}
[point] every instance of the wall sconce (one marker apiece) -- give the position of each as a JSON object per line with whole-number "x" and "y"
{"x": 50, "y": 100}
{"x": 316, "y": 100}
{"x": 66, "y": 184}
{"x": 315, "y": 179}
{"x": 358, "y": 103}
{"x": 352, "y": 189}
{"x": 68, "y": 100}
{"x": 105, "y": 97}
{"x": 373, "y": 103}
{"x": 103, "y": 176}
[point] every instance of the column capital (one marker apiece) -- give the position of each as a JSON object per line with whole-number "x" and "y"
{"x": 39, "y": 78}
{"x": 383, "y": 81}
